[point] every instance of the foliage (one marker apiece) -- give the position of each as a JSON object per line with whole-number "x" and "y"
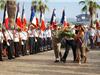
{"x": 66, "y": 33}
{"x": 2, "y": 4}
{"x": 90, "y": 6}
{"x": 39, "y": 5}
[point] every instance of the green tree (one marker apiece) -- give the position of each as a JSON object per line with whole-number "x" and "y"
{"x": 2, "y": 4}
{"x": 90, "y": 6}
{"x": 39, "y": 5}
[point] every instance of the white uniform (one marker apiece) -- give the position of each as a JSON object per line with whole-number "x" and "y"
{"x": 36, "y": 33}
{"x": 31, "y": 33}
{"x": 16, "y": 36}
{"x": 48, "y": 33}
{"x": 45, "y": 34}
{"x": 9, "y": 35}
{"x": 23, "y": 35}
{"x": 41, "y": 34}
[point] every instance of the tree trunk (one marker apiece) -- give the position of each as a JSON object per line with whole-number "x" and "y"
{"x": 11, "y": 9}
{"x": 91, "y": 23}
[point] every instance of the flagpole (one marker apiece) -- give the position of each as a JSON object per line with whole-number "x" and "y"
{"x": 3, "y": 16}
{"x": 22, "y": 13}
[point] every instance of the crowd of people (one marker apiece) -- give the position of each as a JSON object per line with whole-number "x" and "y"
{"x": 17, "y": 42}
{"x": 84, "y": 37}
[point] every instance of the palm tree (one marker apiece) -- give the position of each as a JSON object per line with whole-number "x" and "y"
{"x": 39, "y": 5}
{"x": 90, "y": 6}
{"x": 2, "y": 4}
{"x": 11, "y": 8}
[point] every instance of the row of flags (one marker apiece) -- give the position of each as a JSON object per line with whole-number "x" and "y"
{"x": 63, "y": 19}
{"x": 33, "y": 17}
{"x": 21, "y": 20}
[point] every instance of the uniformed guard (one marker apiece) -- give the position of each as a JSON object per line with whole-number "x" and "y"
{"x": 44, "y": 40}
{"x": 23, "y": 37}
{"x": 1, "y": 43}
{"x": 36, "y": 40}
{"x": 10, "y": 44}
{"x": 31, "y": 37}
{"x": 49, "y": 38}
{"x": 16, "y": 42}
{"x": 41, "y": 40}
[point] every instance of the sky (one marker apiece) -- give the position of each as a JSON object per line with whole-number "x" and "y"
{"x": 72, "y": 8}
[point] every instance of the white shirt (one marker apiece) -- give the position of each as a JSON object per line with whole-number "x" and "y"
{"x": 31, "y": 33}
{"x": 41, "y": 34}
{"x": 92, "y": 32}
{"x": 36, "y": 33}
{"x": 16, "y": 36}
{"x": 48, "y": 33}
{"x": 23, "y": 35}
{"x": 9, "y": 35}
{"x": 98, "y": 35}
{"x": 44, "y": 34}
{"x": 1, "y": 37}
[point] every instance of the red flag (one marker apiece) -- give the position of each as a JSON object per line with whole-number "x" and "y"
{"x": 37, "y": 21}
{"x": 5, "y": 19}
{"x": 18, "y": 21}
{"x": 53, "y": 19}
{"x": 18, "y": 18}
{"x": 24, "y": 21}
{"x": 65, "y": 23}
{"x": 42, "y": 23}
{"x": 23, "y": 18}
{"x": 33, "y": 17}
{"x": 63, "y": 19}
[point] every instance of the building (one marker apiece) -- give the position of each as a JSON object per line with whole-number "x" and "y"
{"x": 83, "y": 18}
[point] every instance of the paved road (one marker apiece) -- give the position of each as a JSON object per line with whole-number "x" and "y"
{"x": 43, "y": 64}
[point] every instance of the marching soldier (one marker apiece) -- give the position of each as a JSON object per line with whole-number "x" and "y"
{"x": 41, "y": 40}
{"x": 1, "y": 44}
{"x": 44, "y": 40}
{"x": 10, "y": 44}
{"x": 36, "y": 40}
{"x": 16, "y": 43}
{"x": 23, "y": 37}
{"x": 49, "y": 39}
{"x": 31, "y": 39}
